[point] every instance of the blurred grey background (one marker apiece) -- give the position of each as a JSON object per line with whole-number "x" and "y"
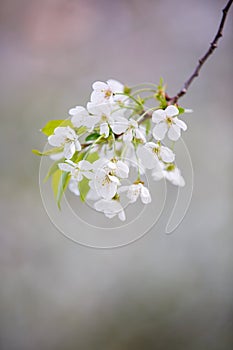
{"x": 162, "y": 292}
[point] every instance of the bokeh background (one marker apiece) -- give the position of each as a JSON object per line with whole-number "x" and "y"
{"x": 164, "y": 291}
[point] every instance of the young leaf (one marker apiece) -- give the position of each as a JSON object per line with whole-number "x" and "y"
{"x": 48, "y": 129}
{"x": 53, "y": 168}
{"x": 147, "y": 125}
{"x": 181, "y": 110}
{"x": 92, "y": 157}
{"x": 81, "y": 130}
{"x": 92, "y": 137}
{"x": 84, "y": 188}
{"x": 60, "y": 180}
{"x": 48, "y": 152}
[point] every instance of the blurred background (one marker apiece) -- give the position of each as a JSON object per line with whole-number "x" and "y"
{"x": 162, "y": 292}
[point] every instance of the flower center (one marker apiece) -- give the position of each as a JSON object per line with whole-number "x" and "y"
{"x": 104, "y": 118}
{"x": 170, "y": 167}
{"x": 106, "y": 180}
{"x": 155, "y": 150}
{"x": 108, "y": 93}
{"x": 169, "y": 121}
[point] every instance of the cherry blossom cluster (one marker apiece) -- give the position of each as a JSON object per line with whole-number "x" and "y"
{"x": 103, "y": 151}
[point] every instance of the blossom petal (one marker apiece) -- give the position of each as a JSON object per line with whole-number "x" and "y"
{"x": 171, "y": 111}
{"x": 160, "y": 130}
{"x": 148, "y": 159}
{"x": 133, "y": 192}
{"x": 99, "y": 85}
{"x": 80, "y": 110}
{"x": 73, "y": 187}
{"x": 56, "y": 140}
{"x": 69, "y": 150}
{"x": 122, "y": 170}
{"x": 121, "y": 215}
{"x": 175, "y": 177}
{"x": 104, "y": 186}
{"x": 104, "y": 129}
{"x": 145, "y": 195}
{"x": 78, "y": 145}
{"x": 119, "y": 125}
{"x": 115, "y": 85}
{"x": 158, "y": 116}
{"x": 182, "y": 125}
{"x": 60, "y": 130}
{"x": 99, "y": 109}
{"x": 128, "y": 136}
{"x": 114, "y": 179}
{"x": 166, "y": 154}
{"x": 139, "y": 135}
{"x": 65, "y": 167}
{"x": 56, "y": 156}
{"x": 174, "y": 132}
{"x": 110, "y": 208}
{"x": 85, "y": 165}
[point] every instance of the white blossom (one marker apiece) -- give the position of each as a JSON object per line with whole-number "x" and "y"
{"x": 111, "y": 128}
{"x": 67, "y": 138}
{"x": 105, "y": 116}
{"x": 134, "y": 131}
{"x": 167, "y": 122}
{"x": 73, "y": 187}
{"x": 81, "y": 117}
{"x": 136, "y": 190}
{"x": 151, "y": 153}
{"x": 107, "y": 177}
{"x": 169, "y": 172}
{"x": 77, "y": 170}
{"x": 57, "y": 156}
{"x": 110, "y": 208}
{"x": 107, "y": 92}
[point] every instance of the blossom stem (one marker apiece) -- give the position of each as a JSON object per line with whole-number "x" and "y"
{"x": 144, "y": 90}
{"x": 130, "y": 97}
{"x": 91, "y": 146}
{"x": 114, "y": 143}
{"x": 146, "y": 115}
{"x": 143, "y": 84}
{"x": 139, "y": 175}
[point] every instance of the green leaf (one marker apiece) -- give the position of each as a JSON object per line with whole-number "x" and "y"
{"x": 84, "y": 188}
{"x": 161, "y": 84}
{"x": 81, "y": 130}
{"x": 147, "y": 125}
{"x": 48, "y": 129}
{"x": 181, "y": 110}
{"x": 49, "y": 152}
{"x": 92, "y": 157}
{"x": 60, "y": 180}
{"x": 77, "y": 157}
{"x": 53, "y": 168}
{"x": 92, "y": 137}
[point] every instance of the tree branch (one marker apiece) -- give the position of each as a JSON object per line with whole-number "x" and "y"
{"x": 204, "y": 58}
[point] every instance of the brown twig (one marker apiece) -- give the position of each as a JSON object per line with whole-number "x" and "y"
{"x": 204, "y": 58}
